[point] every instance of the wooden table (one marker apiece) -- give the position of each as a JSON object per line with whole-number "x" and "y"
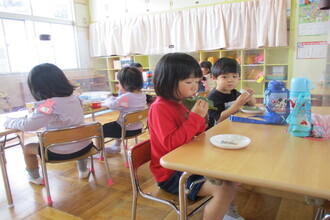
{"x": 4, "y": 131}
{"x": 274, "y": 159}
{"x": 95, "y": 110}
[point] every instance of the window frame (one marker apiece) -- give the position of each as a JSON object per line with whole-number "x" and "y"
{"x": 30, "y": 18}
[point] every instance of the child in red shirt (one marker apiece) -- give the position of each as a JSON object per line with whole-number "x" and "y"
{"x": 171, "y": 125}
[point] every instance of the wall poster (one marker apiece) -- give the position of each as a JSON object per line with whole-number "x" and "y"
{"x": 312, "y": 50}
{"x": 312, "y": 20}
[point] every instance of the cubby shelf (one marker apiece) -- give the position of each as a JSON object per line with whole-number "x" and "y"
{"x": 91, "y": 83}
{"x": 271, "y": 63}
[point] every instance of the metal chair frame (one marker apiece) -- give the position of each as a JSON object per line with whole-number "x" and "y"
{"x": 55, "y": 137}
{"x": 141, "y": 154}
{"x": 132, "y": 118}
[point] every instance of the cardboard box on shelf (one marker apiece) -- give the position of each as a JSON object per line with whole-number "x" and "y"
{"x": 278, "y": 70}
{"x": 126, "y": 61}
{"x": 117, "y": 64}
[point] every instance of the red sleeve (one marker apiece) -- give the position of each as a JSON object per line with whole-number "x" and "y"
{"x": 174, "y": 127}
{"x": 170, "y": 126}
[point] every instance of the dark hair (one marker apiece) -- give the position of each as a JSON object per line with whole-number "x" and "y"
{"x": 130, "y": 79}
{"x": 206, "y": 64}
{"x": 135, "y": 65}
{"x": 171, "y": 69}
{"x": 47, "y": 81}
{"x": 225, "y": 65}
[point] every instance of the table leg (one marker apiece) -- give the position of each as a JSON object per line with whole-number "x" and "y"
{"x": 93, "y": 116}
{"x": 5, "y": 176}
{"x": 183, "y": 195}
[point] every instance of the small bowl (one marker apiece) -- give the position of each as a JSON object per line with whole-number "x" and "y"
{"x": 96, "y": 104}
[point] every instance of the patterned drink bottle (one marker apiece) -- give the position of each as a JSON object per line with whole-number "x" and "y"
{"x": 300, "y": 101}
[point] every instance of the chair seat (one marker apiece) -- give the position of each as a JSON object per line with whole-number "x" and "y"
{"x": 91, "y": 152}
{"x": 154, "y": 190}
{"x": 65, "y": 136}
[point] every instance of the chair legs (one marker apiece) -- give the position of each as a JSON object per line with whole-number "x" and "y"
{"x": 125, "y": 148}
{"x": 125, "y": 143}
{"x": 110, "y": 182}
{"x": 92, "y": 165}
{"x": 134, "y": 205}
{"x": 46, "y": 182}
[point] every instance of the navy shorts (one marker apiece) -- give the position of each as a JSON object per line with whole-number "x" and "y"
{"x": 55, "y": 156}
{"x": 172, "y": 185}
{"x": 113, "y": 130}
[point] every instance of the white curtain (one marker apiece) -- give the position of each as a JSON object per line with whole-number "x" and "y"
{"x": 241, "y": 25}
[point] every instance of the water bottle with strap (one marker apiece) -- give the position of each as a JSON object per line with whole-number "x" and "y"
{"x": 300, "y": 100}
{"x": 276, "y": 100}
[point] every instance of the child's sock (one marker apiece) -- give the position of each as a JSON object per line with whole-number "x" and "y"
{"x": 232, "y": 213}
{"x": 117, "y": 142}
{"x": 113, "y": 149}
{"x": 34, "y": 176}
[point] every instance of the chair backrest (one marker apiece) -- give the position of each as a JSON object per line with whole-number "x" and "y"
{"x": 136, "y": 117}
{"x": 140, "y": 154}
{"x": 53, "y": 137}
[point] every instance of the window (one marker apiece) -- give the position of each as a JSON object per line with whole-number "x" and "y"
{"x": 21, "y": 24}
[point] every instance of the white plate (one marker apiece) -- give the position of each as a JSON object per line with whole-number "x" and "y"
{"x": 252, "y": 109}
{"x": 230, "y": 141}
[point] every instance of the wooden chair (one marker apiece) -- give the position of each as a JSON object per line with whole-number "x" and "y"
{"x": 55, "y": 137}
{"x": 4, "y": 141}
{"x": 132, "y": 118}
{"x": 5, "y": 104}
{"x": 141, "y": 154}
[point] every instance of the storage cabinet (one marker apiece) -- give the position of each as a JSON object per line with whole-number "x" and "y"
{"x": 111, "y": 65}
{"x": 258, "y": 66}
{"x": 91, "y": 83}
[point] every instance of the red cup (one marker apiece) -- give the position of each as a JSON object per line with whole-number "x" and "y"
{"x": 96, "y": 104}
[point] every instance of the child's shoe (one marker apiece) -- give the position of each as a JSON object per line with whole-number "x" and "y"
{"x": 84, "y": 174}
{"x": 232, "y": 214}
{"x": 37, "y": 181}
{"x": 113, "y": 149}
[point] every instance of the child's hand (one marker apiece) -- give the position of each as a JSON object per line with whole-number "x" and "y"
{"x": 243, "y": 99}
{"x": 251, "y": 91}
{"x": 201, "y": 108}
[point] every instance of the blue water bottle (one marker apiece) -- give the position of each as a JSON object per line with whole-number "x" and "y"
{"x": 276, "y": 100}
{"x": 300, "y": 112}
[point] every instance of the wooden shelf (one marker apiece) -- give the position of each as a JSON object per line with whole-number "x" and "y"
{"x": 269, "y": 61}
{"x": 272, "y": 62}
{"x": 91, "y": 83}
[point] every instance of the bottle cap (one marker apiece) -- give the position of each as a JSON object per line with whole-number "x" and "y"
{"x": 300, "y": 84}
{"x": 275, "y": 85}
